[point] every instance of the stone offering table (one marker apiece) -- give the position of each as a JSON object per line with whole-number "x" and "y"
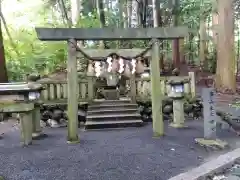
{"x": 23, "y": 98}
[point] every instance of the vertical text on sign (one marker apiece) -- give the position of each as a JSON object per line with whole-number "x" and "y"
{"x": 209, "y": 113}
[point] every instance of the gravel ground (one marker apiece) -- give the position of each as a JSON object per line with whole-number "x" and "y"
{"x": 129, "y": 154}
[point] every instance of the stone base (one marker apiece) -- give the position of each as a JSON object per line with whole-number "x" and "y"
{"x": 73, "y": 142}
{"x": 111, "y": 94}
{"x": 26, "y": 144}
{"x": 39, "y": 136}
{"x": 174, "y": 125}
{"x": 217, "y": 143}
{"x": 157, "y": 135}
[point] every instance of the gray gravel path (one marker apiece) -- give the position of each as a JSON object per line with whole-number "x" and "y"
{"x": 129, "y": 154}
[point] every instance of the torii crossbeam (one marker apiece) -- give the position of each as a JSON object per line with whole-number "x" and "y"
{"x": 73, "y": 34}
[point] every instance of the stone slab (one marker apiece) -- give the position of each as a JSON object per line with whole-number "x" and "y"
{"x": 209, "y": 168}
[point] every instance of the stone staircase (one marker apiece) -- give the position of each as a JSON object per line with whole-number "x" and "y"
{"x": 112, "y": 114}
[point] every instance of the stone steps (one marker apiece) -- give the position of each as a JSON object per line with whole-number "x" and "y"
{"x": 104, "y": 114}
{"x": 110, "y": 102}
{"x": 91, "y": 125}
{"x": 117, "y": 110}
{"x": 103, "y": 107}
{"x": 115, "y": 116}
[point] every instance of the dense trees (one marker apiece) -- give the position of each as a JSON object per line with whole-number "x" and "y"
{"x": 196, "y": 14}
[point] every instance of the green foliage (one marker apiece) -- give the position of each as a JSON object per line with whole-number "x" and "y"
{"x": 32, "y": 54}
{"x": 35, "y": 55}
{"x": 46, "y": 57}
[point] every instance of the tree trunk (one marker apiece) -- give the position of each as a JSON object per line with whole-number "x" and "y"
{"x": 125, "y": 43}
{"x": 135, "y": 13}
{"x": 203, "y": 46}
{"x": 176, "y": 54}
{"x": 142, "y": 10}
{"x": 100, "y": 10}
{"x": 111, "y": 4}
{"x": 214, "y": 20}
{"x": 214, "y": 26}
{"x": 107, "y": 4}
{"x": 156, "y": 6}
{"x": 129, "y": 12}
{"x": 3, "y": 69}
{"x": 226, "y": 78}
{"x": 76, "y": 9}
{"x": 125, "y": 14}
{"x": 121, "y": 15}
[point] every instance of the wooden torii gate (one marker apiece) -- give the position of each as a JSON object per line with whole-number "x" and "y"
{"x": 73, "y": 34}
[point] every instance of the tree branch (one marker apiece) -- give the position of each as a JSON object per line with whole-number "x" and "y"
{"x": 64, "y": 12}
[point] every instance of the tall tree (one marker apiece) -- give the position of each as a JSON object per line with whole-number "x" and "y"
{"x": 76, "y": 9}
{"x": 176, "y": 53}
{"x": 3, "y": 69}
{"x": 214, "y": 21}
{"x": 203, "y": 40}
{"x": 129, "y": 12}
{"x": 142, "y": 12}
{"x": 101, "y": 14}
{"x": 225, "y": 79}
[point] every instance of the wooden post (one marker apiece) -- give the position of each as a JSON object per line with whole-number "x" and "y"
{"x": 158, "y": 125}
{"x": 192, "y": 84}
{"x": 72, "y": 92}
{"x": 176, "y": 53}
{"x": 26, "y": 128}
{"x": 181, "y": 51}
{"x": 133, "y": 88}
